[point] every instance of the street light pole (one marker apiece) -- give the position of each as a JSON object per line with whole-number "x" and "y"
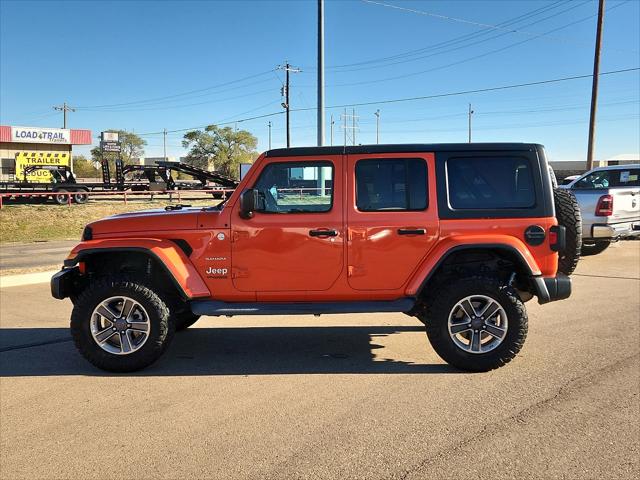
{"x": 377, "y": 114}
{"x": 269, "y": 134}
{"x": 320, "y": 73}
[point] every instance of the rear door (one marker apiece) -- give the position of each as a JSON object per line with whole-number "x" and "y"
{"x": 391, "y": 217}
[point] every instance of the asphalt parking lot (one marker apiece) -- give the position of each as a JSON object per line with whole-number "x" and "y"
{"x": 356, "y": 396}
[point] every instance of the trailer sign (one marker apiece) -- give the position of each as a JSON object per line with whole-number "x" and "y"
{"x": 40, "y": 135}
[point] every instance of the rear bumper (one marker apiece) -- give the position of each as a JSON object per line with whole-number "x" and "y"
{"x": 550, "y": 289}
{"x": 63, "y": 282}
{"x": 615, "y": 230}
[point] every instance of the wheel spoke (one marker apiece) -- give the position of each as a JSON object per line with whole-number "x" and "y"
{"x": 494, "y": 330}
{"x": 468, "y": 308}
{"x": 104, "y": 335}
{"x": 139, "y": 326}
{"x": 475, "y": 341}
{"x": 127, "y": 308}
{"x": 460, "y": 327}
{"x": 106, "y": 313}
{"x": 125, "y": 343}
{"x": 490, "y": 310}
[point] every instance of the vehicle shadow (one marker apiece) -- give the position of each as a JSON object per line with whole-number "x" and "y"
{"x": 224, "y": 351}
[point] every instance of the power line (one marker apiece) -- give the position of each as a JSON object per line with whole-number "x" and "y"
{"x": 410, "y": 99}
{"x": 468, "y": 59}
{"x": 472, "y": 40}
{"x": 458, "y": 39}
{"x": 213, "y": 87}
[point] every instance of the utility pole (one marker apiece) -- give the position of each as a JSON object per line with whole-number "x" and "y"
{"x": 320, "y": 73}
{"x": 164, "y": 143}
{"x": 470, "y": 113}
{"x": 64, "y": 109}
{"x": 285, "y": 93}
{"x": 377, "y": 114}
{"x": 269, "y": 134}
{"x": 594, "y": 87}
{"x": 331, "y": 127}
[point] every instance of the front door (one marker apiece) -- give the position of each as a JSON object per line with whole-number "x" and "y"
{"x": 297, "y": 242}
{"x": 392, "y": 218}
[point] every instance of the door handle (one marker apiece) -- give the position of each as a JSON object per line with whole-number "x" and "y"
{"x": 411, "y": 231}
{"x": 323, "y": 233}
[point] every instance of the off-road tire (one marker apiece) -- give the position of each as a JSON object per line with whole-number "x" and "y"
{"x": 161, "y": 334}
{"x": 568, "y": 215}
{"x": 443, "y": 300}
{"x": 184, "y": 320}
{"x": 595, "y": 247}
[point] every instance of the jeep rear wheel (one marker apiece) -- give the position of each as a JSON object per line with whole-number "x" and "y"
{"x": 120, "y": 325}
{"x": 476, "y": 323}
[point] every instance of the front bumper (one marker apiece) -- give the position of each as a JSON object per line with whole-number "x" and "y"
{"x": 615, "y": 230}
{"x": 64, "y": 282}
{"x": 550, "y": 289}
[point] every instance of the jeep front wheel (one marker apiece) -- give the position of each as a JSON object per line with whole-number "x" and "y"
{"x": 120, "y": 325}
{"x": 476, "y": 323}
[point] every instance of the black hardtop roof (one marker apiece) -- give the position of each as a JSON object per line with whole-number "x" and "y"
{"x": 401, "y": 148}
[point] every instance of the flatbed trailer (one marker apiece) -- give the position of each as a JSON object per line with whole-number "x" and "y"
{"x": 64, "y": 182}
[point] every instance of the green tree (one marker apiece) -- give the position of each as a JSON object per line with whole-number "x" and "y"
{"x": 132, "y": 148}
{"x": 84, "y": 168}
{"x": 222, "y": 149}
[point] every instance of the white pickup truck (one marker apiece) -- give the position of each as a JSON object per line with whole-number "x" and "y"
{"x": 609, "y": 199}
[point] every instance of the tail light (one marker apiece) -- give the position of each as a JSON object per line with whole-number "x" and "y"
{"x": 604, "y": 208}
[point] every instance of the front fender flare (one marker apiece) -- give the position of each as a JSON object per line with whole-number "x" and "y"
{"x": 166, "y": 252}
{"x": 455, "y": 244}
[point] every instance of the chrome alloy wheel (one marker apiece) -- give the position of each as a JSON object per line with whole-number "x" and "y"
{"x": 120, "y": 325}
{"x": 477, "y": 324}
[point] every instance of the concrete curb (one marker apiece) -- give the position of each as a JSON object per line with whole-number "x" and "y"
{"x": 26, "y": 279}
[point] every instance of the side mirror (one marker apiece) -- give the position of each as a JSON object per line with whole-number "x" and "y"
{"x": 249, "y": 203}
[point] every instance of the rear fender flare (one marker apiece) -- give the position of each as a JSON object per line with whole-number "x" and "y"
{"x": 167, "y": 253}
{"x": 452, "y": 245}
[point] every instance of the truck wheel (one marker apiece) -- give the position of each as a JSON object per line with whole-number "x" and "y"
{"x": 120, "y": 325}
{"x": 569, "y": 216}
{"x": 184, "y": 320}
{"x": 595, "y": 247}
{"x": 80, "y": 197}
{"x": 61, "y": 199}
{"x": 476, "y": 323}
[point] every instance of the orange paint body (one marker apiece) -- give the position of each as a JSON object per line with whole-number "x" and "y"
{"x": 272, "y": 257}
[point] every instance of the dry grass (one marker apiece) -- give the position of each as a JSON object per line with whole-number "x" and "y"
{"x": 30, "y": 223}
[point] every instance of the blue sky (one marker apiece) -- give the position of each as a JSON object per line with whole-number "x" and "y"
{"x": 149, "y": 65}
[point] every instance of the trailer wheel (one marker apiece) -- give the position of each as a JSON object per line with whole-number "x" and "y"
{"x": 81, "y": 197}
{"x": 60, "y": 199}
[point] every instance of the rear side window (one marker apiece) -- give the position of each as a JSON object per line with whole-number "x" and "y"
{"x": 490, "y": 183}
{"x": 391, "y": 184}
{"x": 610, "y": 179}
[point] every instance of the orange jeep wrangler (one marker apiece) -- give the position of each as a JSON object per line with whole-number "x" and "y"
{"x": 457, "y": 235}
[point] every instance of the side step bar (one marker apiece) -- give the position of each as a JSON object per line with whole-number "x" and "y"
{"x": 215, "y": 308}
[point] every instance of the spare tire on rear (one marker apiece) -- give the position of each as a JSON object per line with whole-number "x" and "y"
{"x": 568, "y": 215}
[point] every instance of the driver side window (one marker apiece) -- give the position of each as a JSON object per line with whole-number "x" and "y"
{"x": 296, "y": 187}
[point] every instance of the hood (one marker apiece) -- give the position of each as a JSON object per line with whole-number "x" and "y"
{"x": 147, "y": 221}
